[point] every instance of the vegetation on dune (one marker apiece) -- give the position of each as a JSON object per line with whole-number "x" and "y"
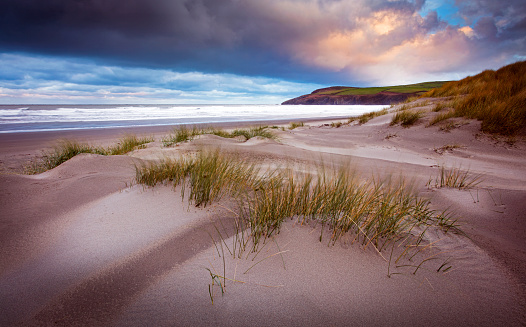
{"x": 497, "y": 98}
{"x": 182, "y": 133}
{"x": 411, "y": 88}
{"x": 406, "y": 118}
{"x": 68, "y": 149}
{"x": 441, "y": 117}
{"x": 294, "y": 125}
{"x": 377, "y": 212}
{"x": 364, "y": 118}
{"x": 455, "y": 178}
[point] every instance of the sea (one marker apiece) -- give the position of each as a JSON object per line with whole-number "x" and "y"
{"x": 41, "y": 118}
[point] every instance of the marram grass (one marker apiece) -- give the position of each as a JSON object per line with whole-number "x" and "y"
{"x": 377, "y": 212}
{"x": 294, "y": 125}
{"x": 68, "y": 149}
{"x": 496, "y": 98}
{"x": 406, "y": 118}
{"x": 182, "y": 133}
{"x": 364, "y": 118}
{"x": 455, "y": 178}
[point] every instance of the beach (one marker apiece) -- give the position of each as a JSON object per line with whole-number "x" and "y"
{"x": 84, "y": 244}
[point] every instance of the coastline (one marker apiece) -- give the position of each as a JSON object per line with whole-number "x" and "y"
{"x": 103, "y": 252}
{"x": 23, "y": 146}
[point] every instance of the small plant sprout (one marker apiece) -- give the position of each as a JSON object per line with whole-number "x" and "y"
{"x": 456, "y": 178}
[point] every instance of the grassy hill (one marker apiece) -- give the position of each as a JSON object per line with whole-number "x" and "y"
{"x": 497, "y": 98}
{"x": 346, "y": 95}
{"x": 410, "y": 88}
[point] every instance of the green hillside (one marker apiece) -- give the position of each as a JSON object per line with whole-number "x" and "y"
{"x": 410, "y": 88}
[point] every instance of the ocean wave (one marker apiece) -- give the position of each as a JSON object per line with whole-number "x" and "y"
{"x": 83, "y": 117}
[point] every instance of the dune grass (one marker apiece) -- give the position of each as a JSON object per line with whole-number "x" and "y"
{"x": 364, "y": 118}
{"x": 67, "y": 149}
{"x": 182, "y": 133}
{"x": 248, "y": 133}
{"x": 127, "y": 144}
{"x": 497, "y": 98}
{"x": 441, "y": 117}
{"x": 293, "y": 125}
{"x": 455, "y": 178}
{"x": 442, "y": 105}
{"x": 376, "y": 211}
{"x": 406, "y": 118}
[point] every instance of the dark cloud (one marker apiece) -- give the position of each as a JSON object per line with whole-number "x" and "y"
{"x": 507, "y": 16}
{"x": 290, "y": 39}
{"x": 485, "y": 28}
{"x": 210, "y": 35}
{"x": 240, "y": 36}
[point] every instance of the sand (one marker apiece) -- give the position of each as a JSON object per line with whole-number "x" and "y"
{"x": 81, "y": 245}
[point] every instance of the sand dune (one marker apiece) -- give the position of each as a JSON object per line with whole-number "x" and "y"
{"x": 81, "y": 245}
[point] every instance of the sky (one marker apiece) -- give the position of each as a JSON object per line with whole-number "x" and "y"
{"x": 244, "y": 51}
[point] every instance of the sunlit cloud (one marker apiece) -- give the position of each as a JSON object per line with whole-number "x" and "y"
{"x": 240, "y": 49}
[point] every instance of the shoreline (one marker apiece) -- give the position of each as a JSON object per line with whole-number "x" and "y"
{"x": 15, "y": 146}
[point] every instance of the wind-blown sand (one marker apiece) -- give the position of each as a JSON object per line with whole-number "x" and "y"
{"x": 80, "y": 246}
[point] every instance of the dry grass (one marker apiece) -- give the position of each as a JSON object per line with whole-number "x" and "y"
{"x": 370, "y": 115}
{"x": 497, "y": 98}
{"x": 442, "y": 105}
{"x": 68, "y": 149}
{"x": 294, "y": 125}
{"x": 456, "y": 178}
{"x": 406, "y": 118}
{"x": 182, "y": 133}
{"x": 376, "y": 211}
{"x": 441, "y": 117}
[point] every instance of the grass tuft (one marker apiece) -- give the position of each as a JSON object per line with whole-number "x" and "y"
{"x": 68, "y": 149}
{"x": 456, "y": 178}
{"x": 441, "y": 117}
{"x": 406, "y": 118}
{"x": 294, "y": 125}
{"x": 251, "y": 132}
{"x": 377, "y": 211}
{"x": 127, "y": 144}
{"x": 183, "y": 134}
{"x": 370, "y": 115}
{"x": 180, "y": 134}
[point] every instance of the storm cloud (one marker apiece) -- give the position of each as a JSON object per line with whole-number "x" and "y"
{"x": 356, "y": 42}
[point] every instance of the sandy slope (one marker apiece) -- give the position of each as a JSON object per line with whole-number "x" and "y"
{"x": 81, "y": 247}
